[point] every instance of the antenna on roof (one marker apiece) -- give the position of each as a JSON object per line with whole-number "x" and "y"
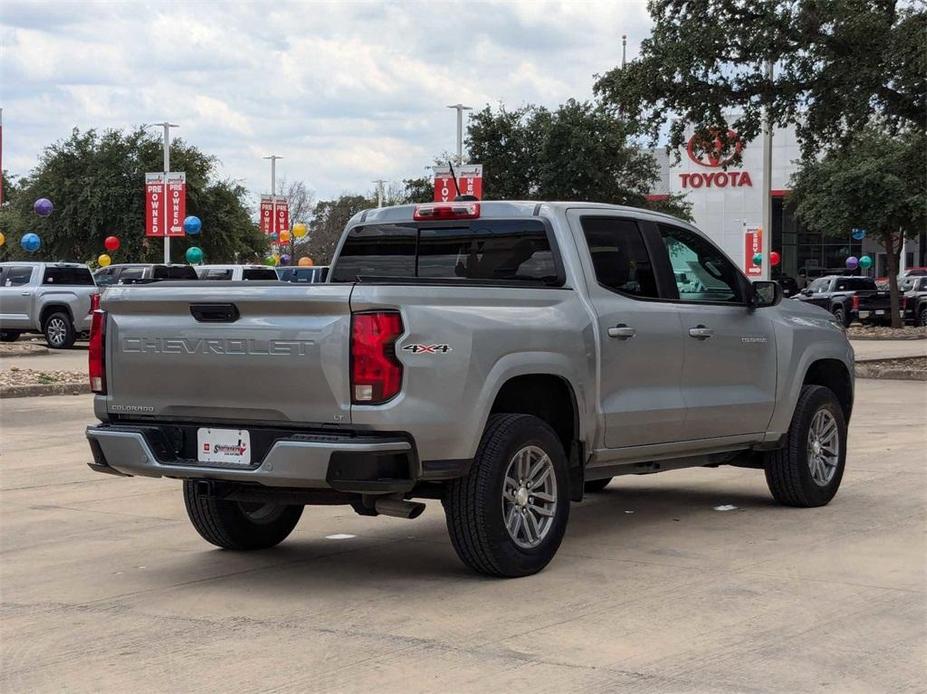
{"x": 459, "y": 196}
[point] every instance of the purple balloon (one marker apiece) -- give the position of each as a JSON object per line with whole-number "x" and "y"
{"x": 852, "y": 262}
{"x": 285, "y": 259}
{"x": 43, "y": 207}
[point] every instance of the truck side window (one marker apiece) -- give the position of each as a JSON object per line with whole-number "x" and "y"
{"x": 17, "y": 276}
{"x": 619, "y": 256}
{"x": 702, "y": 272}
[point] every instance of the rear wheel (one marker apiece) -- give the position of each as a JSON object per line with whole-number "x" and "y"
{"x": 922, "y": 316}
{"x": 594, "y": 486}
{"x": 9, "y": 336}
{"x": 59, "y": 332}
{"x": 841, "y": 315}
{"x": 239, "y": 525}
{"x": 508, "y": 515}
{"x": 808, "y": 469}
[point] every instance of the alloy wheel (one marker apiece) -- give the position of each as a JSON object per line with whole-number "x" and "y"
{"x": 529, "y": 496}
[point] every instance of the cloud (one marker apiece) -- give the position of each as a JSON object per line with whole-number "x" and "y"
{"x": 346, "y": 92}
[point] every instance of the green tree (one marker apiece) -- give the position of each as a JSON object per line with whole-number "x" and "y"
{"x": 96, "y": 182}
{"x": 839, "y": 64}
{"x": 328, "y": 222}
{"x": 876, "y": 182}
{"x": 579, "y": 151}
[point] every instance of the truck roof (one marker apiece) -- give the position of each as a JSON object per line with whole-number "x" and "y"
{"x": 39, "y": 263}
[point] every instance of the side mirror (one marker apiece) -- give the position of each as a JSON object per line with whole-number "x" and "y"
{"x": 806, "y": 292}
{"x": 764, "y": 294}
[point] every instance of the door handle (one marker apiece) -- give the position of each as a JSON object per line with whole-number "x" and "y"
{"x": 622, "y": 332}
{"x": 700, "y": 332}
{"x": 24, "y": 293}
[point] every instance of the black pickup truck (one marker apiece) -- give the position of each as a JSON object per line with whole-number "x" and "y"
{"x": 914, "y": 300}
{"x": 849, "y": 298}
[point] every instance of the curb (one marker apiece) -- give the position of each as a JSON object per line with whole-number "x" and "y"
{"x": 25, "y": 350}
{"x": 40, "y": 389}
{"x": 879, "y": 369}
{"x": 896, "y": 338}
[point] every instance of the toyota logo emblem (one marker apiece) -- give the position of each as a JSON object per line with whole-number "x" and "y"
{"x": 709, "y": 150}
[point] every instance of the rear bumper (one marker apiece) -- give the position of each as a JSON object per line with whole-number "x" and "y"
{"x": 363, "y": 464}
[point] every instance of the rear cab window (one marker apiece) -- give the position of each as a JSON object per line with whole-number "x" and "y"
{"x": 68, "y": 276}
{"x": 216, "y": 274}
{"x": 855, "y": 284}
{"x": 258, "y": 273}
{"x": 514, "y": 252}
{"x": 174, "y": 272}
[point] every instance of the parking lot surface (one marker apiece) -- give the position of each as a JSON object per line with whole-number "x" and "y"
{"x": 105, "y": 586}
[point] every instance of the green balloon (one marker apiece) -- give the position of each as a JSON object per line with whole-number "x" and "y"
{"x": 865, "y": 262}
{"x": 194, "y": 255}
{"x": 758, "y": 259}
{"x": 269, "y": 260}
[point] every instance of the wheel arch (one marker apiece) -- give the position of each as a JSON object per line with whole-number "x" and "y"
{"x": 832, "y": 374}
{"x": 51, "y": 308}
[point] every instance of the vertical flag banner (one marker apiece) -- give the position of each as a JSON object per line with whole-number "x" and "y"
{"x": 469, "y": 179}
{"x": 267, "y": 214}
{"x": 176, "y": 203}
{"x": 753, "y": 244}
{"x": 283, "y": 216}
{"x": 154, "y": 204}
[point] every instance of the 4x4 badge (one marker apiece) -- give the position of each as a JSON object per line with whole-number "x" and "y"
{"x": 427, "y": 349}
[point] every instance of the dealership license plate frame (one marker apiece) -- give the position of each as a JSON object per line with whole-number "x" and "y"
{"x": 223, "y": 446}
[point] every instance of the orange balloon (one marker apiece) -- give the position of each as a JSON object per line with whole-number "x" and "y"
{"x": 284, "y": 236}
{"x": 305, "y": 262}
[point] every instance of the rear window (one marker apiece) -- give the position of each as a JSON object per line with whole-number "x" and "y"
{"x": 855, "y": 283}
{"x": 174, "y": 272}
{"x": 214, "y": 274}
{"x": 69, "y": 276}
{"x": 259, "y": 273}
{"x": 492, "y": 251}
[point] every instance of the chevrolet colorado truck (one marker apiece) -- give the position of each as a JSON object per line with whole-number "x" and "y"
{"x": 849, "y": 298}
{"x": 502, "y": 357}
{"x": 49, "y": 298}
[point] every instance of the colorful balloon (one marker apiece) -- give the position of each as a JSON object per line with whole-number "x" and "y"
{"x": 774, "y": 258}
{"x": 305, "y": 262}
{"x": 270, "y": 260}
{"x": 300, "y": 230}
{"x": 758, "y": 259}
{"x": 43, "y": 207}
{"x": 111, "y": 243}
{"x": 192, "y": 225}
{"x": 285, "y": 258}
{"x": 104, "y": 260}
{"x": 30, "y": 242}
{"x": 2, "y": 238}
{"x": 852, "y": 262}
{"x": 858, "y": 234}
{"x": 865, "y": 262}
{"x": 194, "y": 255}
{"x": 284, "y": 236}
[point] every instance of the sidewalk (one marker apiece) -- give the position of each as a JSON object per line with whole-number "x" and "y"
{"x": 888, "y": 349}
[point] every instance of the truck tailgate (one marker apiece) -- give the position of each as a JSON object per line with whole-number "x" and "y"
{"x": 229, "y": 351}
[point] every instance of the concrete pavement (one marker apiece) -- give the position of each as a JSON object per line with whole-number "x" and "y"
{"x": 889, "y": 349}
{"x": 104, "y": 586}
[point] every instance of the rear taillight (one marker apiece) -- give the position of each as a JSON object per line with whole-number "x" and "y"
{"x": 376, "y": 374}
{"x": 94, "y": 302}
{"x": 855, "y": 302}
{"x": 447, "y": 210}
{"x": 97, "y": 352}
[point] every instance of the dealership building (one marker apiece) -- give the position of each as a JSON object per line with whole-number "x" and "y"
{"x": 727, "y": 204}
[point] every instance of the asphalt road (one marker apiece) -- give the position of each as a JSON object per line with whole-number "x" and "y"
{"x": 104, "y": 586}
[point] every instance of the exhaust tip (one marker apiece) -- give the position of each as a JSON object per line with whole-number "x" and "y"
{"x": 398, "y": 508}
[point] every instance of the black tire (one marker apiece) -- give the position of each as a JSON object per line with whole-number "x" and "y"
{"x": 594, "y": 486}
{"x": 841, "y": 315}
{"x": 59, "y": 331}
{"x": 788, "y": 470}
{"x": 239, "y": 525}
{"x": 9, "y": 335}
{"x": 922, "y": 317}
{"x": 474, "y": 504}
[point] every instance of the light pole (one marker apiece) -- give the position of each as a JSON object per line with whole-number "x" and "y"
{"x": 624, "y": 50}
{"x": 167, "y": 125}
{"x": 380, "y": 182}
{"x": 766, "y": 266}
{"x": 460, "y": 108}
{"x": 273, "y": 190}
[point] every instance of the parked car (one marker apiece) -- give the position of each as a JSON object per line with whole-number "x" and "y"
{"x": 303, "y": 275}
{"x": 789, "y": 286}
{"x": 235, "y": 272}
{"x": 883, "y": 283}
{"x": 137, "y": 273}
{"x": 503, "y": 357}
{"x": 849, "y": 298}
{"x": 914, "y": 300}
{"x": 50, "y": 298}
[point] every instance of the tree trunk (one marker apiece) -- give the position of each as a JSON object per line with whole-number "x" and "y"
{"x": 893, "y": 254}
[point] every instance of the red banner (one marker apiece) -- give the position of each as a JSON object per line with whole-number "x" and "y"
{"x": 283, "y": 216}
{"x": 267, "y": 214}
{"x": 753, "y": 244}
{"x": 176, "y": 203}
{"x": 275, "y": 215}
{"x": 154, "y": 204}
{"x": 469, "y": 180}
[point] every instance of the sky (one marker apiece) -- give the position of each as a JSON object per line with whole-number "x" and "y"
{"x": 345, "y": 92}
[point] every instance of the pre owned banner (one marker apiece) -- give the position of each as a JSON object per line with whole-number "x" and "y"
{"x": 275, "y": 214}
{"x": 165, "y": 203}
{"x": 469, "y": 180}
{"x": 753, "y": 244}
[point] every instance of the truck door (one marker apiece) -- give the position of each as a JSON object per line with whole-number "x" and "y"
{"x": 16, "y": 297}
{"x": 729, "y": 371}
{"x": 639, "y": 337}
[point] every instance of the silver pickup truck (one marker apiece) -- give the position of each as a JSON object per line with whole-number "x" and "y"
{"x": 50, "y": 298}
{"x": 503, "y": 357}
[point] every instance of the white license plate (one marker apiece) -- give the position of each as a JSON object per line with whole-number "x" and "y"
{"x": 864, "y": 314}
{"x": 880, "y": 312}
{"x": 230, "y": 446}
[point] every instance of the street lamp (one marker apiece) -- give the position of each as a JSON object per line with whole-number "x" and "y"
{"x": 167, "y": 125}
{"x": 460, "y": 108}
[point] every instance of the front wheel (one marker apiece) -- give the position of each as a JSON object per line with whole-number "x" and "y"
{"x": 508, "y": 515}
{"x": 807, "y": 470}
{"x": 238, "y": 524}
